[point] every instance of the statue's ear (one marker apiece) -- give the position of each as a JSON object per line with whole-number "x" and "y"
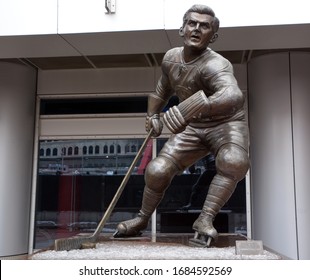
{"x": 181, "y": 32}
{"x": 214, "y": 37}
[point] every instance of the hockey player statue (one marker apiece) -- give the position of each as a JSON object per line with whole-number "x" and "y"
{"x": 210, "y": 119}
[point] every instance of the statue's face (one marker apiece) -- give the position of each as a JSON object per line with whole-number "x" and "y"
{"x": 197, "y": 31}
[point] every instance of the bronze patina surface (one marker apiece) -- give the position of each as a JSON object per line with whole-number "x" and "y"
{"x": 209, "y": 119}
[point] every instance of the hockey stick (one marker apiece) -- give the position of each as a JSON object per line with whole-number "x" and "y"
{"x": 76, "y": 242}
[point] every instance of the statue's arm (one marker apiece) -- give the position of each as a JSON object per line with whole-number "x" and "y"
{"x": 226, "y": 98}
{"x": 157, "y": 101}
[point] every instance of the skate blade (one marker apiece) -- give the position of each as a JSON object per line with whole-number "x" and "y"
{"x": 118, "y": 234}
{"x": 200, "y": 241}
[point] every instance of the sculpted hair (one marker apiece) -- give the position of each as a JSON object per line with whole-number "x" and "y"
{"x": 202, "y": 9}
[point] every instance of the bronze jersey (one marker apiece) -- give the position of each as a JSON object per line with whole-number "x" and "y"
{"x": 211, "y": 73}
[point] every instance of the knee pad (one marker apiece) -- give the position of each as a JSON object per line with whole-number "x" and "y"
{"x": 232, "y": 161}
{"x": 159, "y": 173}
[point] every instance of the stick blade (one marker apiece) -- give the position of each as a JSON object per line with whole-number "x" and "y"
{"x": 72, "y": 243}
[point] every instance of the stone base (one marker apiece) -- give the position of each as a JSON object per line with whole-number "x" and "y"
{"x": 163, "y": 247}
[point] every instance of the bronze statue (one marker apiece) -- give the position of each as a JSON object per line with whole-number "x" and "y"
{"x": 210, "y": 119}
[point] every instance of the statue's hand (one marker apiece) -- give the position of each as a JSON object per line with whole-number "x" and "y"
{"x": 174, "y": 120}
{"x": 155, "y": 123}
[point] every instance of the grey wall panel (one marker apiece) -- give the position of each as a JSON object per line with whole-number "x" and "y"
{"x": 17, "y": 110}
{"x": 272, "y": 178}
{"x": 118, "y": 80}
{"x": 94, "y": 127}
{"x": 301, "y": 136}
{"x": 113, "y": 80}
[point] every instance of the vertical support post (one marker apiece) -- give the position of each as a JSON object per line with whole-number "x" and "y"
{"x": 154, "y": 218}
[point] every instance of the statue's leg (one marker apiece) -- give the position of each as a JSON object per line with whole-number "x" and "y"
{"x": 232, "y": 164}
{"x": 158, "y": 176}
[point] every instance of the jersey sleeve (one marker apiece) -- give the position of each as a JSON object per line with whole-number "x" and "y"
{"x": 158, "y": 100}
{"x": 224, "y": 94}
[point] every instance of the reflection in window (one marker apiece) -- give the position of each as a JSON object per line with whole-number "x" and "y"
{"x": 97, "y": 150}
{"x": 127, "y": 148}
{"x": 55, "y": 152}
{"x": 112, "y": 149}
{"x": 74, "y": 191}
{"x": 105, "y": 149}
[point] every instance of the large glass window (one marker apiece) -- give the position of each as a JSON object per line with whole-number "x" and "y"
{"x": 77, "y": 179}
{"x": 75, "y": 188}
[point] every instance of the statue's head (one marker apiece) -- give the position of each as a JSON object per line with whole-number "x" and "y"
{"x": 202, "y": 9}
{"x": 200, "y": 26}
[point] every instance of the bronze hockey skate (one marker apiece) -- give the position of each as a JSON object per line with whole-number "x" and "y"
{"x": 204, "y": 232}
